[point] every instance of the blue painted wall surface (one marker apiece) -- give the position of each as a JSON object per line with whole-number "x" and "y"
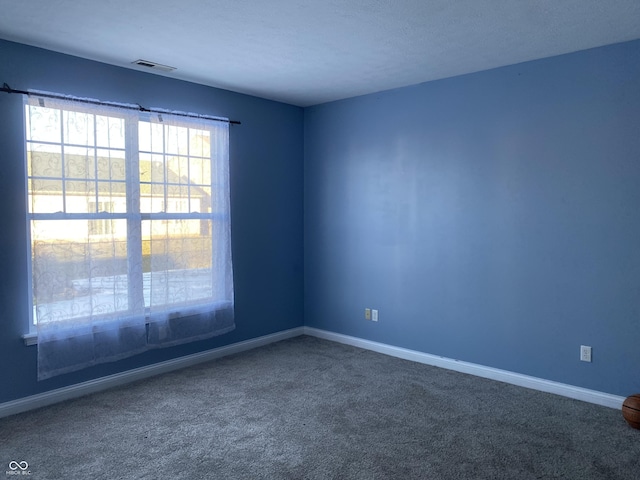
{"x": 266, "y": 202}
{"x": 492, "y": 218}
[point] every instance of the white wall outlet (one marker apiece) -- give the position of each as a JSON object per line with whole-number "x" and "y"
{"x": 367, "y": 314}
{"x": 585, "y": 353}
{"x": 374, "y": 315}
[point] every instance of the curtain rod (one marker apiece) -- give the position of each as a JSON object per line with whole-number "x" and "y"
{"x": 6, "y": 88}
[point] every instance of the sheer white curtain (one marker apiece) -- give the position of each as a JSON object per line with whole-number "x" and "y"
{"x": 189, "y": 285}
{"x": 129, "y": 225}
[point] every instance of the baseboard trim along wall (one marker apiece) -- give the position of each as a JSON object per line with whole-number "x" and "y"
{"x": 578, "y": 393}
{"x": 73, "y": 391}
{"x": 93, "y": 386}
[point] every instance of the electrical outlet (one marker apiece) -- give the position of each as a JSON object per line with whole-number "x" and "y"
{"x": 585, "y": 353}
{"x": 374, "y": 315}
{"x": 367, "y": 314}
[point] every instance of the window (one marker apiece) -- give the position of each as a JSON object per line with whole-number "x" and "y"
{"x": 128, "y": 219}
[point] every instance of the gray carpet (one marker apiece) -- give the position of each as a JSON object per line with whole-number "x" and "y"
{"x": 311, "y": 409}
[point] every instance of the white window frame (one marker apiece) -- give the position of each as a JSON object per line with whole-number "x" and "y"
{"x": 133, "y": 216}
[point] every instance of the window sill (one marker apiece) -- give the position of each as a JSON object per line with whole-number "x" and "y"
{"x": 30, "y": 339}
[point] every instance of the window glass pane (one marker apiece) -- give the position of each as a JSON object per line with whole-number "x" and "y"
{"x": 199, "y": 200}
{"x": 79, "y": 162}
{"x": 158, "y": 191}
{"x": 156, "y": 169}
{"x": 44, "y": 160}
{"x": 177, "y": 199}
{"x": 157, "y": 138}
{"x": 117, "y": 189}
{"x": 145, "y": 167}
{"x": 41, "y": 202}
{"x": 101, "y": 205}
{"x": 78, "y": 128}
{"x": 78, "y": 194}
{"x": 150, "y": 204}
{"x": 66, "y": 285}
{"x": 177, "y": 169}
{"x": 111, "y": 164}
{"x": 199, "y": 143}
{"x": 177, "y": 140}
{"x": 144, "y": 136}
{"x": 43, "y": 124}
{"x": 110, "y": 132}
{"x": 200, "y": 171}
{"x": 115, "y": 194}
{"x": 177, "y": 261}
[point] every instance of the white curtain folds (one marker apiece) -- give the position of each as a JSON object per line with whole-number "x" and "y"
{"x": 129, "y": 223}
{"x": 189, "y": 283}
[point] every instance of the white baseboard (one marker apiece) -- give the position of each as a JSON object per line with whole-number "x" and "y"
{"x": 93, "y": 386}
{"x": 99, "y": 384}
{"x": 578, "y": 393}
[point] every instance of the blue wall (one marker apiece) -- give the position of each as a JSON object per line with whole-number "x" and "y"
{"x": 266, "y": 190}
{"x": 492, "y": 218}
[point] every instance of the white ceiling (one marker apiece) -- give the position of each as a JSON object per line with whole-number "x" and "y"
{"x": 306, "y": 52}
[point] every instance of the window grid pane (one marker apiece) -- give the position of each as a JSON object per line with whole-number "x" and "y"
{"x": 77, "y": 166}
{"x": 64, "y": 169}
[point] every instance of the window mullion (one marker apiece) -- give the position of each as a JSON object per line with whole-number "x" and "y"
{"x": 134, "y": 225}
{"x": 63, "y": 116}
{"x": 29, "y": 209}
{"x": 95, "y": 162}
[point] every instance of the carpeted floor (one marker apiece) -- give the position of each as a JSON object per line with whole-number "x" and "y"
{"x": 307, "y": 408}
